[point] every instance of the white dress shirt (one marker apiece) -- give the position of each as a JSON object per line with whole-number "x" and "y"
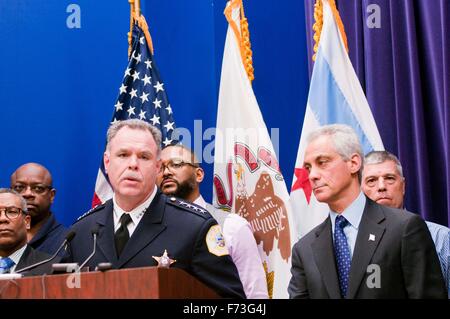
{"x": 353, "y": 215}
{"x": 135, "y": 214}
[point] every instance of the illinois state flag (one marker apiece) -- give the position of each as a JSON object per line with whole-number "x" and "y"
{"x": 247, "y": 178}
{"x": 335, "y": 96}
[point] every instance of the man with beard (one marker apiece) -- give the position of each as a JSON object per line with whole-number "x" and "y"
{"x": 34, "y": 182}
{"x": 180, "y": 176}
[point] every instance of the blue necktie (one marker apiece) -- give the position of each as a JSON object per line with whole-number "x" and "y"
{"x": 342, "y": 254}
{"x": 5, "y": 265}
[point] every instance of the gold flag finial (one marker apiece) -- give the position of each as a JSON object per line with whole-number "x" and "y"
{"x": 242, "y": 36}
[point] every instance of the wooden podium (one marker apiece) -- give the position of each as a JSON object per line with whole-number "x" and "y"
{"x": 133, "y": 283}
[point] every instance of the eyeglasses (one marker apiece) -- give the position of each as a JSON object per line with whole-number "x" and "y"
{"x": 11, "y": 212}
{"x": 176, "y": 164}
{"x": 35, "y": 188}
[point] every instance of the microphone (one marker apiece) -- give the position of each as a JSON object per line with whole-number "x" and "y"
{"x": 94, "y": 232}
{"x": 67, "y": 239}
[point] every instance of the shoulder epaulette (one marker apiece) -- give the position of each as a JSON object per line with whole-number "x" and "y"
{"x": 90, "y": 212}
{"x": 188, "y": 206}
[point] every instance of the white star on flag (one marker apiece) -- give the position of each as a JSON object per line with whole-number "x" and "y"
{"x": 131, "y": 110}
{"x": 155, "y": 119}
{"x": 123, "y": 89}
{"x": 159, "y": 86}
{"x": 135, "y": 76}
{"x": 148, "y": 63}
{"x": 157, "y": 103}
{"x": 169, "y": 126}
{"x": 146, "y": 79}
{"x": 142, "y": 115}
{"x": 118, "y": 106}
{"x": 167, "y": 142}
{"x": 133, "y": 93}
{"x": 144, "y": 97}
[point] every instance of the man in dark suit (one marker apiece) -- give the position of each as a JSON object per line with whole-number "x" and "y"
{"x": 140, "y": 224}
{"x": 34, "y": 182}
{"x": 363, "y": 249}
{"x": 15, "y": 254}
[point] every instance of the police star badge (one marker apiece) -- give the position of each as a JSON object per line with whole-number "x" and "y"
{"x": 216, "y": 242}
{"x": 164, "y": 261}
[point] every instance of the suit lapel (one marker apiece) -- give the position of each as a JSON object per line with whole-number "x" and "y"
{"x": 26, "y": 259}
{"x": 324, "y": 256}
{"x": 147, "y": 230}
{"x": 369, "y": 235}
{"x": 105, "y": 239}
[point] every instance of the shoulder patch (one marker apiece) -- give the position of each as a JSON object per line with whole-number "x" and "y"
{"x": 216, "y": 242}
{"x": 91, "y": 211}
{"x": 188, "y": 206}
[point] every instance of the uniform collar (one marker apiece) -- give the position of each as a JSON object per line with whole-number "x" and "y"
{"x": 136, "y": 213}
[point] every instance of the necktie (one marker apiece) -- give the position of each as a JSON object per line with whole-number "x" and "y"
{"x": 122, "y": 235}
{"x": 5, "y": 265}
{"x": 342, "y": 254}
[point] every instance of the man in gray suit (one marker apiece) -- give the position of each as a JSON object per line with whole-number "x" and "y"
{"x": 363, "y": 249}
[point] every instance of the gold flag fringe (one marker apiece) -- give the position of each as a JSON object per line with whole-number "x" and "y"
{"x": 243, "y": 36}
{"x": 136, "y": 17}
{"x": 318, "y": 24}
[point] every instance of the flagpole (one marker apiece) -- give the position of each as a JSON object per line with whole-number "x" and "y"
{"x": 132, "y": 7}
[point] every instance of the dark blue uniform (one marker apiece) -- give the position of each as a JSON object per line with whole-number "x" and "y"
{"x": 49, "y": 237}
{"x": 168, "y": 224}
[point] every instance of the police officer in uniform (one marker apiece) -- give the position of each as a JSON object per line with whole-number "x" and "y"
{"x": 139, "y": 225}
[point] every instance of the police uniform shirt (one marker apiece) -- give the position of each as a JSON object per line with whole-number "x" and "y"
{"x": 135, "y": 214}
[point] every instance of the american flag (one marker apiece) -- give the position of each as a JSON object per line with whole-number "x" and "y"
{"x": 142, "y": 95}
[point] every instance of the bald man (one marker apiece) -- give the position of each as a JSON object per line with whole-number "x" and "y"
{"x": 34, "y": 182}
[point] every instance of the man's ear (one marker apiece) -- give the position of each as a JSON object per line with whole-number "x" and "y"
{"x": 52, "y": 195}
{"x": 27, "y": 220}
{"x": 404, "y": 186}
{"x": 199, "y": 174}
{"x": 355, "y": 163}
{"x": 106, "y": 161}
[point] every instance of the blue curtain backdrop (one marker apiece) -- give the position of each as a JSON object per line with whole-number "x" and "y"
{"x": 404, "y": 68}
{"x": 58, "y": 85}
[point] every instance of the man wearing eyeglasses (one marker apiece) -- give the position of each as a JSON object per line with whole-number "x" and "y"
{"x": 34, "y": 182}
{"x": 15, "y": 254}
{"x": 181, "y": 176}
{"x": 383, "y": 182}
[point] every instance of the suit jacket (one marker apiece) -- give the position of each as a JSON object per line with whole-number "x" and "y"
{"x": 400, "y": 245}
{"x": 32, "y": 256}
{"x": 168, "y": 224}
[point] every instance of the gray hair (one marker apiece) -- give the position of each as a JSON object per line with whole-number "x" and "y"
{"x": 343, "y": 137}
{"x": 137, "y": 125}
{"x": 23, "y": 202}
{"x": 378, "y": 157}
{"x": 344, "y": 140}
